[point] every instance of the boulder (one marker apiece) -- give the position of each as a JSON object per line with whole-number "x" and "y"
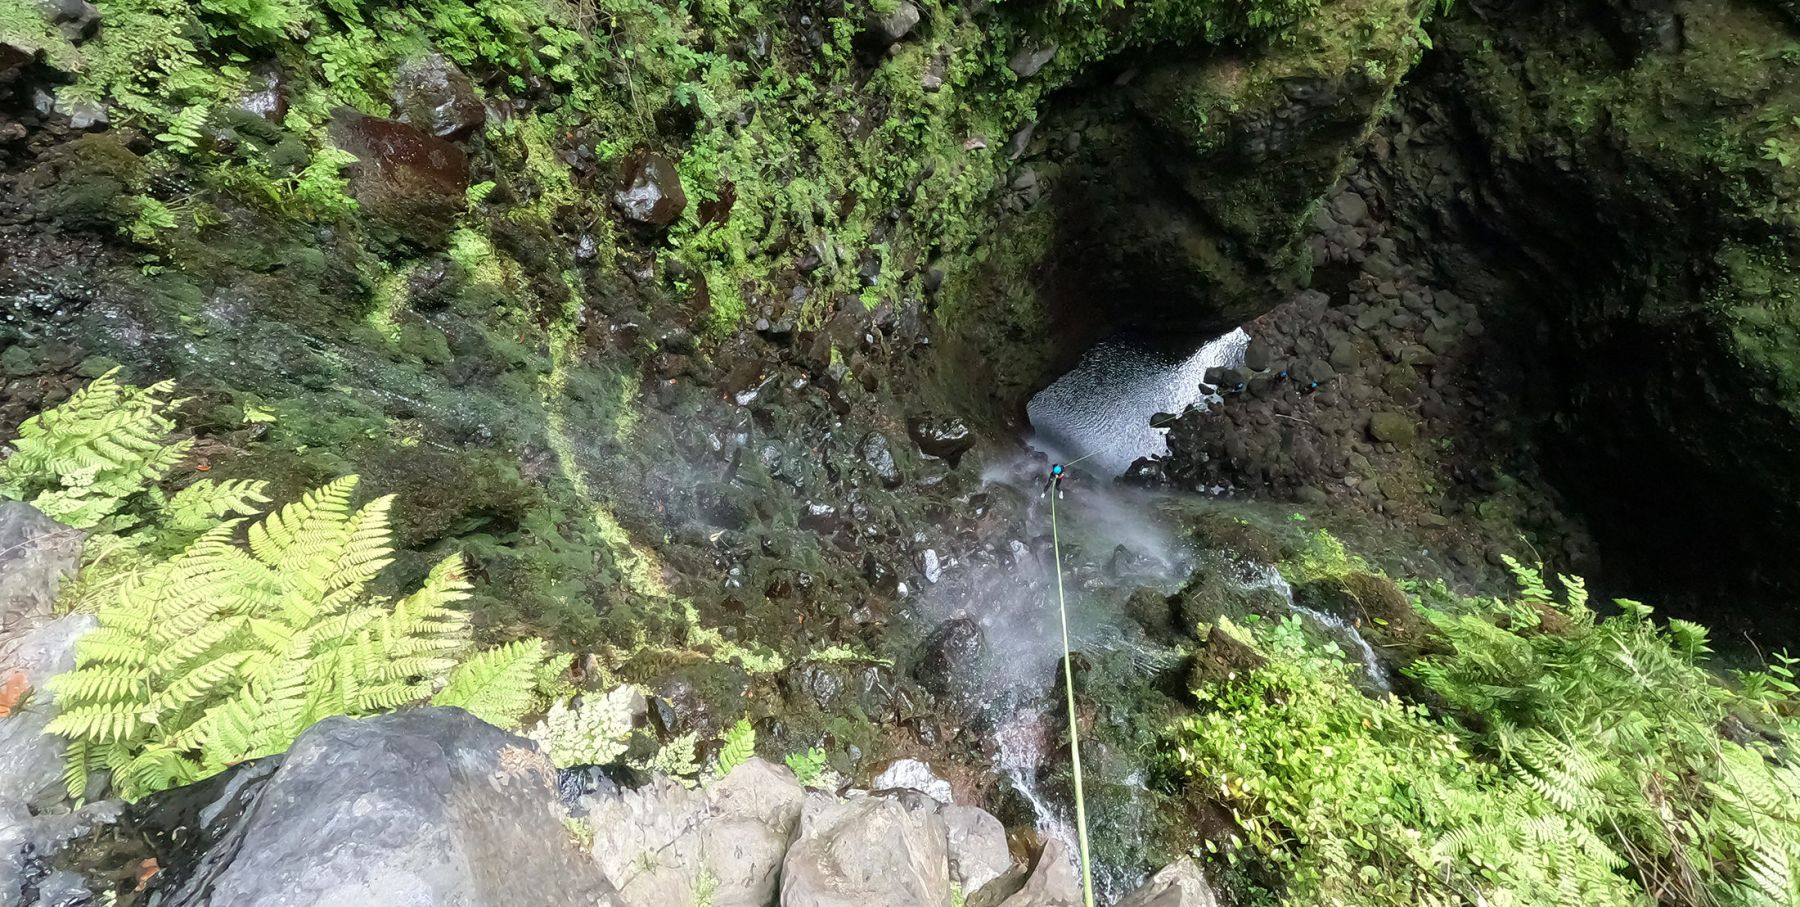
{"x": 33, "y": 761}
{"x": 978, "y": 851}
{"x": 76, "y": 19}
{"x": 1052, "y": 881}
{"x": 867, "y": 852}
{"x": 1028, "y": 60}
{"x": 408, "y": 179}
{"x": 430, "y": 93}
{"x": 1393, "y": 428}
{"x": 950, "y": 652}
{"x": 652, "y": 196}
{"x": 946, "y": 439}
{"x": 879, "y": 457}
{"x": 666, "y": 843}
{"x": 1180, "y": 884}
{"x": 883, "y": 31}
{"x": 266, "y": 94}
{"x": 1257, "y": 355}
{"x": 36, "y": 555}
{"x": 422, "y": 807}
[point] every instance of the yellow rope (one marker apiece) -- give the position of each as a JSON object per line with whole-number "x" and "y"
{"x": 1087, "y": 875}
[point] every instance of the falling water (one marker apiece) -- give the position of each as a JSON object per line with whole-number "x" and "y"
{"x": 1262, "y": 576}
{"x": 1102, "y": 409}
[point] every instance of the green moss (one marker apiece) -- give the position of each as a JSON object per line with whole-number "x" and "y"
{"x": 96, "y": 179}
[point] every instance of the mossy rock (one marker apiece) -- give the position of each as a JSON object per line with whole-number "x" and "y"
{"x": 91, "y": 182}
{"x": 1379, "y": 609}
{"x": 1222, "y": 658}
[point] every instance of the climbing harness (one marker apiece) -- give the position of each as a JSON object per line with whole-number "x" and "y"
{"x": 1062, "y": 606}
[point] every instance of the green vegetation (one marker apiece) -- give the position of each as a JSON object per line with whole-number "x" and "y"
{"x": 93, "y": 463}
{"x": 1564, "y": 759}
{"x": 808, "y": 767}
{"x": 1353, "y": 800}
{"x": 224, "y": 653}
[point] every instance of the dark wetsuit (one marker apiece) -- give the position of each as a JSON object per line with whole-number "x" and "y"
{"x": 1054, "y": 482}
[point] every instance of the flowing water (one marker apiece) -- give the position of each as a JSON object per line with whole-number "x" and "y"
{"x": 1333, "y": 627}
{"x": 1098, "y": 413}
{"x": 1102, "y": 409}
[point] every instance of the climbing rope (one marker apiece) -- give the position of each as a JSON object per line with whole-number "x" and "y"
{"x": 1062, "y": 606}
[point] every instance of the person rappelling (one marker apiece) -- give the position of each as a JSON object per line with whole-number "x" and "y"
{"x": 1054, "y": 481}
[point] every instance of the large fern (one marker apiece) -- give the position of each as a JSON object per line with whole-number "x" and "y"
{"x": 98, "y": 460}
{"x": 221, "y": 653}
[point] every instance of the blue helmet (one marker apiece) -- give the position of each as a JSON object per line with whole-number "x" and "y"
{"x": 1056, "y": 470}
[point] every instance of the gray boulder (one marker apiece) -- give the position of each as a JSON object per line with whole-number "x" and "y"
{"x": 34, "y": 762}
{"x": 1053, "y": 881}
{"x": 1180, "y": 884}
{"x": 978, "y": 852}
{"x": 430, "y": 93}
{"x": 975, "y": 840}
{"x": 36, "y": 554}
{"x": 1028, "y": 60}
{"x": 665, "y": 843}
{"x": 882, "y": 31}
{"x": 867, "y": 852}
{"x": 424, "y": 808}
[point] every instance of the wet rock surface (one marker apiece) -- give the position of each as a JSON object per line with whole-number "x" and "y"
{"x": 432, "y": 94}
{"x": 652, "y": 196}
{"x": 36, "y": 555}
{"x": 1381, "y": 389}
{"x": 412, "y": 180}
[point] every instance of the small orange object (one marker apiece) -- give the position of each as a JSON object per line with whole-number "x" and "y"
{"x": 203, "y": 467}
{"x": 12, "y": 691}
{"x": 147, "y": 870}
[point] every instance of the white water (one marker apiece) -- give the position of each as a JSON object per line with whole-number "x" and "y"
{"x": 1101, "y": 409}
{"x": 1262, "y": 576}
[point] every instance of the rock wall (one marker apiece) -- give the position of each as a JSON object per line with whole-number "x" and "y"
{"x": 1606, "y": 180}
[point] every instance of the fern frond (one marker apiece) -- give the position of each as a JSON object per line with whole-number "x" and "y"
{"x": 739, "y": 746}
{"x": 499, "y": 685}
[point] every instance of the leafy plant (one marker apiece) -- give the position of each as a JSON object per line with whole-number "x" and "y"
{"x": 1322, "y": 557}
{"x": 738, "y": 748}
{"x": 1617, "y": 722}
{"x": 593, "y": 730}
{"x": 82, "y": 461}
{"x": 808, "y": 766}
{"x": 1352, "y": 800}
{"x": 225, "y": 653}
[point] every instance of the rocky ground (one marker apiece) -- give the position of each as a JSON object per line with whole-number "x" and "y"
{"x": 1380, "y": 390}
{"x": 434, "y": 806}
